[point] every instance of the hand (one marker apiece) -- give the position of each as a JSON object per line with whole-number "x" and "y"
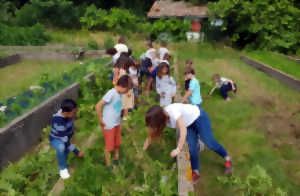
{"x": 162, "y": 95}
{"x": 80, "y": 155}
{"x": 102, "y": 124}
{"x": 175, "y": 152}
{"x": 233, "y": 88}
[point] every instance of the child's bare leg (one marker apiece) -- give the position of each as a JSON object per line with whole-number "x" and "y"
{"x": 149, "y": 86}
{"x": 107, "y": 157}
{"x": 125, "y": 112}
{"x": 116, "y": 156}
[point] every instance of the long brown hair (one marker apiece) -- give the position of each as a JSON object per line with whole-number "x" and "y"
{"x": 156, "y": 119}
{"x": 160, "y": 68}
{"x": 124, "y": 62}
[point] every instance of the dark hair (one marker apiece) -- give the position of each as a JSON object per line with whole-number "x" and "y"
{"x": 167, "y": 57}
{"x": 125, "y": 82}
{"x": 189, "y": 62}
{"x": 160, "y": 68}
{"x": 164, "y": 44}
{"x": 129, "y": 53}
{"x": 149, "y": 44}
{"x": 216, "y": 76}
{"x": 124, "y": 62}
{"x": 136, "y": 63}
{"x": 157, "y": 120}
{"x": 68, "y": 105}
{"x": 111, "y": 51}
{"x": 147, "y": 62}
{"x": 189, "y": 70}
{"x": 122, "y": 40}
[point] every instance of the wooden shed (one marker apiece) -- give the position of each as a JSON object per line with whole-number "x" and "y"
{"x": 179, "y": 9}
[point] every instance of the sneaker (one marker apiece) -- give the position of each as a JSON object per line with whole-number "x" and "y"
{"x": 195, "y": 177}
{"x": 228, "y": 168}
{"x": 64, "y": 174}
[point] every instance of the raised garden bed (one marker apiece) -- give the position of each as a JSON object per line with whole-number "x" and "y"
{"x": 277, "y": 74}
{"x": 9, "y": 60}
{"x": 24, "y": 132}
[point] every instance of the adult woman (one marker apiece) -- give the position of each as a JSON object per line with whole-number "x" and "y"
{"x": 191, "y": 122}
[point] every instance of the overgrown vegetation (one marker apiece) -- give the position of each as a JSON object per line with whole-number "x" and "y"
{"x": 14, "y": 35}
{"x": 260, "y": 24}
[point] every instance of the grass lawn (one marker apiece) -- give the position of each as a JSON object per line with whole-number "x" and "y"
{"x": 259, "y": 126}
{"x": 277, "y": 61}
{"x": 18, "y": 77}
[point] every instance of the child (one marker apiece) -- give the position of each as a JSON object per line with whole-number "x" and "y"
{"x": 163, "y": 50}
{"x": 189, "y": 64}
{"x": 61, "y": 133}
{"x": 193, "y": 93}
{"x": 110, "y": 118}
{"x": 122, "y": 68}
{"x": 191, "y": 122}
{"x": 225, "y": 86}
{"x": 165, "y": 84}
{"x": 133, "y": 73}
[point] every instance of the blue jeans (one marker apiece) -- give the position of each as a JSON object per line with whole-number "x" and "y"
{"x": 226, "y": 88}
{"x": 62, "y": 151}
{"x": 202, "y": 127}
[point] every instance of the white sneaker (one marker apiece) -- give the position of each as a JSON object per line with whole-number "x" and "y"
{"x": 64, "y": 174}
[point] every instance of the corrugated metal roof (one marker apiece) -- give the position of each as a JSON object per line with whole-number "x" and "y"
{"x": 167, "y": 8}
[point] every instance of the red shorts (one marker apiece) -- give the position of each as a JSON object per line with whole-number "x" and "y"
{"x": 112, "y": 138}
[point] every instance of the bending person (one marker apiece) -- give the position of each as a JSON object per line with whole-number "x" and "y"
{"x": 191, "y": 122}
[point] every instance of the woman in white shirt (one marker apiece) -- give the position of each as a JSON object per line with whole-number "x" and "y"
{"x": 191, "y": 122}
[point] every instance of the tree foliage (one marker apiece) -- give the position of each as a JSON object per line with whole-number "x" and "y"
{"x": 260, "y": 24}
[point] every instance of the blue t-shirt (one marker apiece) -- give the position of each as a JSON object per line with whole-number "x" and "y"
{"x": 112, "y": 109}
{"x": 195, "y": 98}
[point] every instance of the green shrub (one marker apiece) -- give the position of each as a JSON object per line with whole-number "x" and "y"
{"x": 258, "y": 182}
{"x": 260, "y": 24}
{"x": 35, "y": 35}
{"x": 61, "y": 13}
{"x": 109, "y": 43}
{"x": 117, "y": 20}
{"x": 93, "y": 45}
{"x": 174, "y": 27}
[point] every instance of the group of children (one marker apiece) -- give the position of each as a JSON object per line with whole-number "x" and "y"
{"x": 127, "y": 77}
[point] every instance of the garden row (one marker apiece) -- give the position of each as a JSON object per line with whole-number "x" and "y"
{"x": 49, "y": 86}
{"x": 140, "y": 173}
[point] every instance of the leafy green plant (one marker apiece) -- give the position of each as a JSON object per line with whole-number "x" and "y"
{"x": 174, "y": 27}
{"x": 93, "y": 45}
{"x": 258, "y": 182}
{"x": 109, "y": 42}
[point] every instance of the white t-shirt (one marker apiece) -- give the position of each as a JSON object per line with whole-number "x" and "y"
{"x": 188, "y": 112}
{"x": 148, "y": 53}
{"x": 223, "y": 81}
{"x": 162, "y": 52}
{"x": 121, "y": 48}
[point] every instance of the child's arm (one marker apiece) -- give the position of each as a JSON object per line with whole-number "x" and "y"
{"x": 187, "y": 95}
{"x": 99, "y": 107}
{"x": 232, "y": 84}
{"x": 212, "y": 90}
{"x": 182, "y": 137}
{"x": 116, "y": 75}
{"x": 147, "y": 143}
